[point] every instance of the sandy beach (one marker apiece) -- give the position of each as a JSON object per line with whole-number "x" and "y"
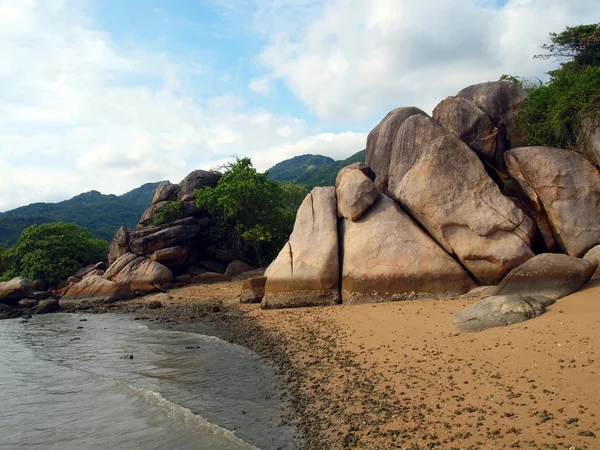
{"x": 397, "y": 375}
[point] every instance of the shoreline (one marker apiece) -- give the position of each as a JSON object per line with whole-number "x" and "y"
{"x": 397, "y": 375}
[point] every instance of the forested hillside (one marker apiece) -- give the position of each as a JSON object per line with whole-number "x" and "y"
{"x": 304, "y": 170}
{"x": 99, "y": 213}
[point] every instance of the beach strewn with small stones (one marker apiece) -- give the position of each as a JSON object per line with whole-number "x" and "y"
{"x": 397, "y": 375}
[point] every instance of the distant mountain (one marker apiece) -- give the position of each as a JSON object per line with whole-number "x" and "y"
{"x": 101, "y": 214}
{"x": 312, "y": 170}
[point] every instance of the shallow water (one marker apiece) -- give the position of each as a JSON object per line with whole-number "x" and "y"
{"x": 63, "y": 385}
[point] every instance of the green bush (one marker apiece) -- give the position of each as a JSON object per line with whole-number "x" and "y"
{"x": 52, "y": 252}
{"x": 551, "y": 114}
{"x": 168, "y": 213}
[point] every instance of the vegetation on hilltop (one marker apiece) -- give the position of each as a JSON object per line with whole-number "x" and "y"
{"x": 291, "y": 169}
{"x": 250, "y": 210}
{"x": 101, "y": 214}
{"x": 319, "y": 176}
{"x": 52, "y": 252}
{"x": 552, "y": 114}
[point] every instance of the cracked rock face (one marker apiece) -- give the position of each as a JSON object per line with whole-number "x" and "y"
{"x": 380, "y": 140}
{"x": 386, "y": 256}
{"x": 563, "y": 189}
{"x": 443, "y": 184}
{"x": 306, "y": 272}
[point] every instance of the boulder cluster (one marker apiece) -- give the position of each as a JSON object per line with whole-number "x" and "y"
{"x": 141, "y": 261}
{"x": 445, "y": 204}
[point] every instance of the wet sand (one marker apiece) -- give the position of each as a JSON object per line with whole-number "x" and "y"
{"x": 397, "y": 375}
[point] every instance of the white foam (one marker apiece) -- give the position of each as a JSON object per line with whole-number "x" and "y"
{"x": 186, "y": 416}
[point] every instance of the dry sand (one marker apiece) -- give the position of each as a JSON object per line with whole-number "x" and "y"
{"x": 397, "y": 375}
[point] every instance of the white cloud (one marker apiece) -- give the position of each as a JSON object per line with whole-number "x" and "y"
{"x": 358, "y": 57}
{"x": 260, "y": 85}
{"x": 79, "y": 112}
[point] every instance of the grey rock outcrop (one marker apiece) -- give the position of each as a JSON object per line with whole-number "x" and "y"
{"x": 237, "y": 267}
{"x": 196, "y": 180}
{"x": 388, "y": 257}
{"x": 499, "y": 311}
{"x": 443, "y": 184}
{"x": 592, "y": 255}
{"x": 549, "y": 275}
{"x": 563, "y": 189}
{"x": 380, "y": 140}
{"x": 355, "y": 194}
{"x": 306, "y": 271}
{"x": 165, "y": 192}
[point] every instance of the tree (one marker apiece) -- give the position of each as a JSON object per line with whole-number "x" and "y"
{"x": 250, "y": 209}
{"x": 53, "y": 252}
{"x": 552, "y": 114}
{"x": 2, "y": 268}
{"x": 580, "y": 45}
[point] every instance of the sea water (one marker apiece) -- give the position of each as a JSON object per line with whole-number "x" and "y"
{"x": 65, "y": 384}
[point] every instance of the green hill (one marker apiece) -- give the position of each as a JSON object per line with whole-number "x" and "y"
{"x": 291, "y": 169}
{"x": 101, "y": 214}
{"x": 303, "y": 170}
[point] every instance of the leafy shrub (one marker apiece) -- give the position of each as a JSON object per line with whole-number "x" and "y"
{"x": 52, "y": 252}
{"x": 551, "y": 114}
{"x": 168, "y": 213}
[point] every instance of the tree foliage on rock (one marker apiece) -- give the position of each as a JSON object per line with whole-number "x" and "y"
{"x": 52, "y": 252}
{"x": 249, "y": 209}
{"x": 552, "y": 114}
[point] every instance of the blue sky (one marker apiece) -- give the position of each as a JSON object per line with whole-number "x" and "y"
{"x": 110, "y": 94}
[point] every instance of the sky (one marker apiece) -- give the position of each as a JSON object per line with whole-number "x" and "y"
{"x": 111, "y": 94}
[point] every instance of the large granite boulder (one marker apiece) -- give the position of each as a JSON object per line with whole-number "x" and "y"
{"x": 594, "y": 255}
{"x": 140, "y": 274}
{"x": 119, "y": 245}
{"x": 306, "y": 272}
{"x": 366, "y": 170}
{"x": 473, "y": 126}
{"x": 14, "y": 290}
{"x": 165, "y": 192}
{"x": 443, "y": 184}
{"x": 355, "y": 194}
{"x": 499, "y": 311}
{"x": 550, "y": 275}
{"x": 590, "y": 138}
{"x": 563, "y": 188}
{"x": 97, "y": 290}
{"x": 237, "y": 267}
{"x": 386, "y": 256}
{"x": 380, "y": 140}
{"x": 197, "y": 180}
{"x": 500, "y": 100}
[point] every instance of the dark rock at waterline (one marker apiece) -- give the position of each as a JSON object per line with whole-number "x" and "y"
{"x": 48, "y": 305}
